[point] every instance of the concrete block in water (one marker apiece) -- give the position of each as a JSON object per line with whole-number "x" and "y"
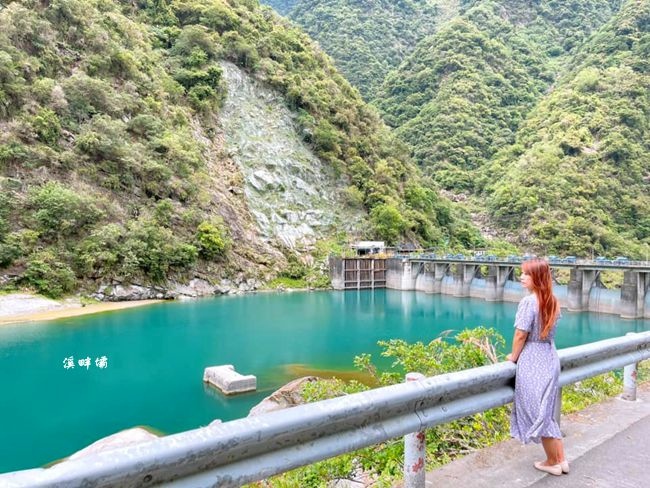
{"x": 228, "y": 380}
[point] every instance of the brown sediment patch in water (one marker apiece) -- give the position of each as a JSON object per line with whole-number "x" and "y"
{"x": 300, "y": 370}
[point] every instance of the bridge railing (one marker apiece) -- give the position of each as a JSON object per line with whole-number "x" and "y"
{"x": 251, "y": 449}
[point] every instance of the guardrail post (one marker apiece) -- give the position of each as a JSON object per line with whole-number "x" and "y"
{"x": 414, "y": 451}
{"x": 629, "y": 380}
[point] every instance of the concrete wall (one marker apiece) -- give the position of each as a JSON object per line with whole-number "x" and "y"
{"x": 583, "y": 293}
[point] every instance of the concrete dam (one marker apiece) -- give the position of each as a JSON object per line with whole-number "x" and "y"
{"x": 496, "y": 281}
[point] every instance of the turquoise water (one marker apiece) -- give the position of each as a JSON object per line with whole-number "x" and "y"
{"x": 156, "y": 356}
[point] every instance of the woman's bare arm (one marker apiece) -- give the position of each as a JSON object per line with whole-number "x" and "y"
{"x": 518, "y": 342}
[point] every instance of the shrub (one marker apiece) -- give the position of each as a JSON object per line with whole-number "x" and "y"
{"x": 99, "y": 253}
{"x": 467, "y": 349}
{"x": 202, "y": 98}
{"x": 163, "y": 212}
{"x": 13, "y": 152}
{"x": 103, "y": 139}
{"x": 61, "y": 211}
{"x": 47, "y": 126}
{"x": 5, "y": 208}
{"x": 88, "y": 96}
{"x": 295, "y": 269}
{"x": 4, "y": 228}
{"x": 183, "y": 255}
{"x": 48, "y": 275}
{"x": 152, "y": 250}
{"x": 239, "y": 50}
{"x": 145, "y": 126}
{"x": 195, "y": 37}
{"x": 42, "y": 90}
{"x": 388, "y": 222}
{"x": 212, "y": 239}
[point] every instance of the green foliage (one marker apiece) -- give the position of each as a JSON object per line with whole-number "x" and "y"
{"x": 12, "y": 153}
{"x": 103, "y": 139}
{"x": 212, "y": 239}
{"x": 365, "y": 39}
{"x": 59, "y": 211}
{"x": 389, "y": 224}
{"x": 16, "y": 245}
{"x": 99, "y": 254}
{"x": 574, "y": 182}
{"x": 464, "y": 92}
{"x": 145, "y": 125}
{"x": 143, "y": 248}
{"x": 87, "y": 96}
{"x": 155, "y": 251}
{"x": 284, "y": 282}
{"x": 47, "y": 126}
{"x": 295, "y": 269}
{"x": 281, "y": 6}
{"x": 121, "y": 100}
{"x": 580, "y": 395}
{"x": 47, "y": 275}
{"x": 467, "y": 349}
{"x": 6, "y": 204}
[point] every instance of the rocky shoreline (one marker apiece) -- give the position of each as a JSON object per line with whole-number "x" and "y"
{"x": 195, "y": 288}
{"x": 29, "y": 307}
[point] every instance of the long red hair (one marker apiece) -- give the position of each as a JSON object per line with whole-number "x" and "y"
{"x": 540, "y": 273}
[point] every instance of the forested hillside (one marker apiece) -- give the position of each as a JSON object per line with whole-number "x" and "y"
{"x": 113, "y": 160}
{"x": 463, "y": 93}
{"x": 578, "y": 177}
{"x": 281, "y": 6}
{"x": 474, "y": 101}
{"x": 366, "y": 39}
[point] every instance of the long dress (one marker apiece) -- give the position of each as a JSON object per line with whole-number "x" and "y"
{"x": 536, "y": 383}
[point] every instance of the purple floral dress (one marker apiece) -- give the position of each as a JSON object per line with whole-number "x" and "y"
{"x": 536, "y": 383}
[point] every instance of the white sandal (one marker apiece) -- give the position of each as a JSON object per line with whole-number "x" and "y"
{"x": 555, "y": 470}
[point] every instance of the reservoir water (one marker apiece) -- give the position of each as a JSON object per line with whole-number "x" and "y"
{"x": 155, "y": 357}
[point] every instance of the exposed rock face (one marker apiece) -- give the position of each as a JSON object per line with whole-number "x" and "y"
{"x": 286, "y": 397}
{"x": 197, "y": 287}
{"x": 124, "y": 293}
{"x": 294, "y": 197}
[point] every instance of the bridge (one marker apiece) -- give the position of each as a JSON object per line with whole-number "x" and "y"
{"x": 488, "y": 277}
{"x": 568, "y": 262}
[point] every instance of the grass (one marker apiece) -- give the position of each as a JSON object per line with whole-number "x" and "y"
{"x": 283, "y": 283}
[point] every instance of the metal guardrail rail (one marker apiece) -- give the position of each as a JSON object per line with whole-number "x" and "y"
{"x": 251, "y": 449}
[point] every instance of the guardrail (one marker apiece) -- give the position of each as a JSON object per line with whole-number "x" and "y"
{"x": 251, "y": 449}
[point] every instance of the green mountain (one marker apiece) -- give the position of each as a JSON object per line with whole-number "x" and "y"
{"x": 281, "y": 6}
{"x": 168, "y": 140}
{"x": 463, "y": 93}
{"x": 366, "y": 39}
{"x": 578, "y": 177}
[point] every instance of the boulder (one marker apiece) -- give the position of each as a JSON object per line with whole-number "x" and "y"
{"x": 286, "y": 397}
{"x": 197, "y": 287}
{"x": 124, "y": 438}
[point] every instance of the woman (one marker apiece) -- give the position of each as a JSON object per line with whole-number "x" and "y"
{"x": 538, "y": 368}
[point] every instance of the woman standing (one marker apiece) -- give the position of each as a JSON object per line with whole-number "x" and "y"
{"x": 538, "y": 368}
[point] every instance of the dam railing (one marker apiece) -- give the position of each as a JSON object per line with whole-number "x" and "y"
{"x": 249, "y": 449}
